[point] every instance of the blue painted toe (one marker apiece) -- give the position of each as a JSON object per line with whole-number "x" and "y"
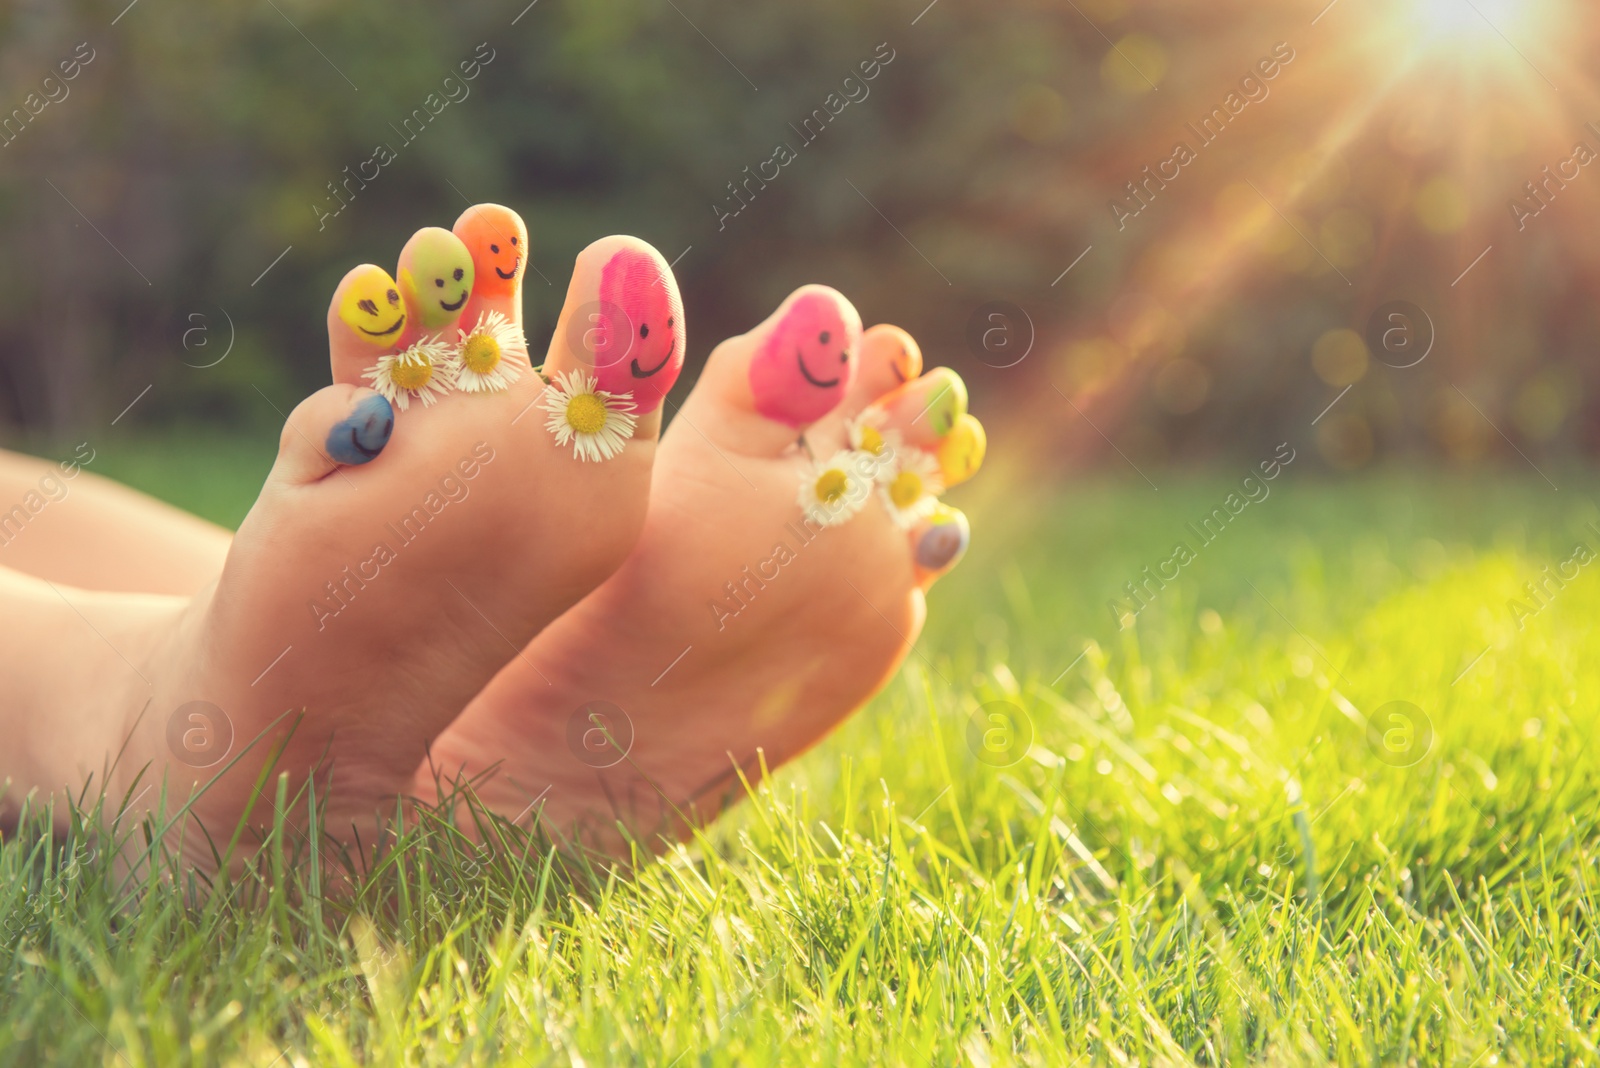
{"x": 943, "y": 542}
{"x": 361, "y": 435}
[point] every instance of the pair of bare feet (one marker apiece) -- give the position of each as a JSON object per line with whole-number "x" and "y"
{"x": 463, "y": 568}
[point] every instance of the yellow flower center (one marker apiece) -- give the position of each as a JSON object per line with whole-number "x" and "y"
{"x": 831, "y": 486}
{"x": 906, "y": 489}
{"x": 586, "y": 413}
{"x": 481, "y": 354}
{"x": 871, "y": 441}
{"x": 413, "y": 374}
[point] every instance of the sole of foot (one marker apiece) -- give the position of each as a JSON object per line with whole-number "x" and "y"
{"x": 779, "y": 582}
{"x": 428, "y": 514}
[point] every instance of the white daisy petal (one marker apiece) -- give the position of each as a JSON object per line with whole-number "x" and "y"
{"x": 426, "y": 370}
{"x": 915, "y": 488}
{"x": 490, "y": 356}
{"x": 597, "y": 423}
{"x": 833, "y": 491}
{"x": 883, "y": 446}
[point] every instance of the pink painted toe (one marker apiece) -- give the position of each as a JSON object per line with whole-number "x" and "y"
{"x": 641, "y": 349}
{"x": 805, "y": 366}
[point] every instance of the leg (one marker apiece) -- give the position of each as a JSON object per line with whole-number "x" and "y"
{"x": 87, "y": 531}
{"x": 411, "y": 537}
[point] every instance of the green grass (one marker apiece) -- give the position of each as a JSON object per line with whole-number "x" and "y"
{"x": 1201, "y": 858}
{"x": 217, "y": 478}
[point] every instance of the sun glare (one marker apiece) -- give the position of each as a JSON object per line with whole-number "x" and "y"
{"x": 1456, "y": 20}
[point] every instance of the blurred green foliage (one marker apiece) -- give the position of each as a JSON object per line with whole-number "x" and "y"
{"x": 148, "y": 207}
{"x": 201, "y": 141}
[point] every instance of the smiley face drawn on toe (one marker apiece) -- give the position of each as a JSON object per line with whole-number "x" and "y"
{"x": 905, "y": 362}
{"x": 498, "y": 242}
{"x": 371, "y": 308}
{"x": 643, "y": 353}
{"x": 453, "y": 306}
{"x": 803, "y": 368}
{"x": 946, "y": 399}
{"x": 890, "y": 358}
{"x": 436, "y": 275}
{"x": 360, "y": 449}
{"x": 927, "y": 410}
{"x": 516, "y": 258}
{"x": 961, "y": 452}
{"x": 639, "y": 372}
{"x": 944, "y": 540}
{"x": 800, "y": 359}
{"x": 360, "y": 436}
{"x": 370, "y": 305}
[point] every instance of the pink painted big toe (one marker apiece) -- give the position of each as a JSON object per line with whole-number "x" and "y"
{"x": 642, "y": 351}
{"x": 805, "y": 366}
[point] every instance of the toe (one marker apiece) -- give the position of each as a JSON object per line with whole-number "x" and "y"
{"x": 372, "y": 317}
{"x": 890, "y": 358}
{"x": 338, "y": 424}
{"x": 925, "y": 410}
{"x": 761, "y": 389}
{"x": 436, "y": 279}
{"x": 622, "y": 325}
{"x": 938, "y": 542}
{"x": 961, "y": 452}
{"x": 366, "y": 319}
{"x": 498, "y": 242}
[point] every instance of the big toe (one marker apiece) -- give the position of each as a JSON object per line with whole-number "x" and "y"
{"x": 760, "y": 390}
{"x": 622, "y": 327}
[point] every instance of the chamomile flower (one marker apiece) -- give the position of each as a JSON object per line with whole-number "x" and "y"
{"x": 491, "y": 355}
{"x": 834, "y": 490}
{"x": 426, "y": 370}
{"x": 914, "y": 490}
{"x": 597, "y": 423}
{"x": 880, "y": 445}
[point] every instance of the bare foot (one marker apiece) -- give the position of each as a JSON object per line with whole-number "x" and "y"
{"x": 426, "y": 516}
{"x": 769, "y": 595}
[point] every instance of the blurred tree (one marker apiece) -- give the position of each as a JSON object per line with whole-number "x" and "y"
{"x": 190, "y": 170}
